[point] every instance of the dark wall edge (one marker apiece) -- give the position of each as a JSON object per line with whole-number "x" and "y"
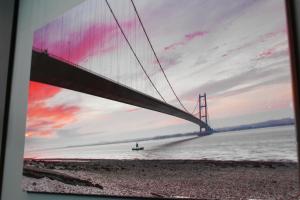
{"x": 8, "y": 19}
{"x": 293, "y": 22}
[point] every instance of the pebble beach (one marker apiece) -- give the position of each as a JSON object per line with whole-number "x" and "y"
{"x": 191, "y": 179}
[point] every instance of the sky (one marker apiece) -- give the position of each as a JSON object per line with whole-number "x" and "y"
{"x": 236, "y": 51}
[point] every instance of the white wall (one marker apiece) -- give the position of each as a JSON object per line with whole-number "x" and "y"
{"x": 6, "y": 18}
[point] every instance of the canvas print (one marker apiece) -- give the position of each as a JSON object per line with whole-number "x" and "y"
{"x": 162, "y": 99}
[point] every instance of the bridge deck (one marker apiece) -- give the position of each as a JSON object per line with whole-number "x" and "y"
{"x": 49, "y": 70}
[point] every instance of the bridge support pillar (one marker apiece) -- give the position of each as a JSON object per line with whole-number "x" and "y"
{"x": 203, "y": 113}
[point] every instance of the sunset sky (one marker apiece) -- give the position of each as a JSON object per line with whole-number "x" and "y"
{"x": 234, "y": 50}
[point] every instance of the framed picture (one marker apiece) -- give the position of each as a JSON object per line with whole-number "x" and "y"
{"x": 164, "y": 99}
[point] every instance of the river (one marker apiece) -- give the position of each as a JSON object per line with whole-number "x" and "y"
{"x": 276, "y": 144}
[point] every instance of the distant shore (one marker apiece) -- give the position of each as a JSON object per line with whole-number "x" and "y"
{"x": 243, "y": 127}
{"x": 195, "y": 179}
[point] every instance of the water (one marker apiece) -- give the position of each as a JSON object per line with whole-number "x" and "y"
{"x": 276, "y": 143}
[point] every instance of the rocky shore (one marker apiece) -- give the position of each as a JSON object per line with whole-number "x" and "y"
{"x": 194, "y": 179}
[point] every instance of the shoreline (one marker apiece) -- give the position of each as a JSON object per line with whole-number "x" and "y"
{"x": 194, "y": 179}
{"x": 142, "y": 159}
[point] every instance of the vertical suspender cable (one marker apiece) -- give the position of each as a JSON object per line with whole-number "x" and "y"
{"x": 116, "y": 20}
{"x": 156, "y": 55}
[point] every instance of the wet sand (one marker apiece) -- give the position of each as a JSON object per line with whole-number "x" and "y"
{"x": 194, "y": 179}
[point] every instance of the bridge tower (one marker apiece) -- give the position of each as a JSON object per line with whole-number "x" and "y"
{"x": 203, "y": 112}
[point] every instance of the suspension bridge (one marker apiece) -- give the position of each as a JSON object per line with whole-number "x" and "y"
{"x": 63, "y": 66}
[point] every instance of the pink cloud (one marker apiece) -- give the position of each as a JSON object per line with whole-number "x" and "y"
{"x": 191, "y": 36}
{"x": 273, "y": 34}
{"x": 276, "y": 51}
{"x": 173, "y": 46}
{"x": 133, "y": 109}
{"x": 260, "y": 39}
{"x": 248, "y": 103}
{"x": 171, "y": 121}
{"x": 187, "y": 38}
{"x": 78, "y": 45}
{"x": 266, "y": 53}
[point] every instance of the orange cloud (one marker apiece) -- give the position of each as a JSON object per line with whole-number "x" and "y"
{"x": 40, "y": 91}
{"x": 44, "y": 120}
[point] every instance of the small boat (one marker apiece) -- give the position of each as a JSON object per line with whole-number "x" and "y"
{"x": 137, "y": 148}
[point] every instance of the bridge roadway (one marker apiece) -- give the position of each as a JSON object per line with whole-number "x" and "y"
{"x": 54, "y": 71}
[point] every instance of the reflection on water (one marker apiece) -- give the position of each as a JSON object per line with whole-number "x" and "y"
{"x": 277, "y": 143}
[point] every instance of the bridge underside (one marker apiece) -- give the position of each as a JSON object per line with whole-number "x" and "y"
{"x": 49, "y": 70}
